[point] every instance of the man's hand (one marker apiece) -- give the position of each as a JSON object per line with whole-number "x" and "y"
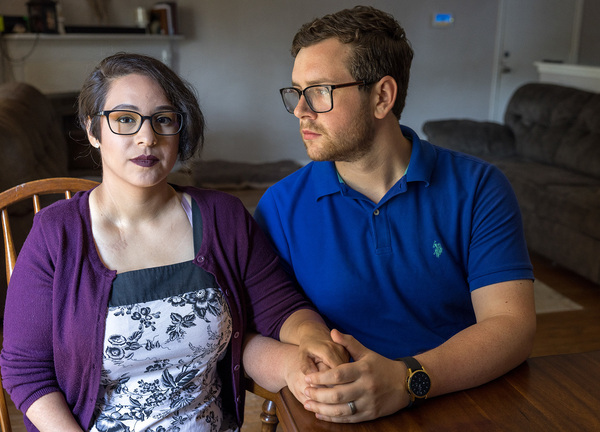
{"x": 374, "y": 383}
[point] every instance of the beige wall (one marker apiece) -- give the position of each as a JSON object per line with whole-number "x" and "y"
{"x": 236, "y": 53}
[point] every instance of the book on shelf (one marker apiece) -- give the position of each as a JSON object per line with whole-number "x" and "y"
{"x": 163, "y": 18}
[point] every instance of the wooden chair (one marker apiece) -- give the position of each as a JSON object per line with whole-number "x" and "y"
{"x": 68, "y": 186}
{"x": 268, "y": 416}
{"x": 31, "y": 190}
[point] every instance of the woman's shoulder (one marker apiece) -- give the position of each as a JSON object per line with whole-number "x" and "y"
{"x": 59, "y": 221}
{"x": 65, "y": 211}
{"x": 213, "y": 198}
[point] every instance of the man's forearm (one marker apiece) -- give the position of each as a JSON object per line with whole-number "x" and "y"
{"x": 477, "y": 355}
{"x": 303, "y": 323}
{"x": 501, "y": 339}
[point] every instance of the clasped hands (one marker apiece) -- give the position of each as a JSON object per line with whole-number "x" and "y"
{"x": 328, "y": 384}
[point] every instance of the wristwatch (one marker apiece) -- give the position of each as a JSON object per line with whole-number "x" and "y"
{"x": 418, "y": 382}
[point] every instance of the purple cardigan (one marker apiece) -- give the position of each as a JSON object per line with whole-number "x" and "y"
{"x": 58, "y": 295}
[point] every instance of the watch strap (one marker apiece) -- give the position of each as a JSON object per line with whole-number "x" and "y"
{"x": 413, "y": 366}
{"x": 411, "y": 363}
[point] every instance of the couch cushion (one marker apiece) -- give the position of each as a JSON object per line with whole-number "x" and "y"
{"x": 482, "y": 139}
{"x": 579, "y": 207}
{"x": 556, "y": 125}
{"x": 31, "y": 143}
{"x": 223, "y": 174}
{"x": 31, "y": 147}
{"x": 579, "y": 149}
{"x": 555, "y": 194}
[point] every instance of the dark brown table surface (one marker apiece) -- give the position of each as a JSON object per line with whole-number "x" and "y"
{"x": 551, "y": 393}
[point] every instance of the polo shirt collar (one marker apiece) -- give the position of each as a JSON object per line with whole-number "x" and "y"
{"x": 326, "y": 179}
{"x": 422, "y": 160}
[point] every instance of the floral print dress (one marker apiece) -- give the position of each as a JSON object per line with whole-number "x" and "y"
{"x": 167, "y": 327}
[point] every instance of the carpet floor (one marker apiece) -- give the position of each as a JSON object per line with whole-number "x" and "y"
{"x": 548, "y": 300}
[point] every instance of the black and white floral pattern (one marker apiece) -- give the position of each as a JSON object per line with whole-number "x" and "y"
{"x": 160, "y": 365}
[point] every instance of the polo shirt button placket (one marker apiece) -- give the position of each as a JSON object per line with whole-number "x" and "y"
{"x": 381, "y": 230}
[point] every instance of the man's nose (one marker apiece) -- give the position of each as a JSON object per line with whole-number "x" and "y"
{"x": 303, "y": 109}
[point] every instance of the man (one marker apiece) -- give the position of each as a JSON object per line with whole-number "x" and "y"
{"x": 415, "y": 251}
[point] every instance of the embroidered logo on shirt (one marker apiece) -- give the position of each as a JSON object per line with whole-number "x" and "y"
{"x": 437, "y": 249}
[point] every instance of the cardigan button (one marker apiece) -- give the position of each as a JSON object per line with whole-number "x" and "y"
{"x": 201, "y": 259}
{"x": 236, "y": 367}
{"x": 236, "y": 335}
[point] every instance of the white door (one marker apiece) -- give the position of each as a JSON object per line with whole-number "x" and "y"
{"x": 530, "y": 31}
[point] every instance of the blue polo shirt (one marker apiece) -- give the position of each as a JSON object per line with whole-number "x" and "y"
{"x": 398, "y": 275}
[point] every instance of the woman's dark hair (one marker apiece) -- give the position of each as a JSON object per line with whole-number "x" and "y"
{"x": 379, "y": 43}
{"x": 179, "y": 93}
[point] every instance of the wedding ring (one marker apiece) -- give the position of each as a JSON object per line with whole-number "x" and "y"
{"x": 352, "y": 407}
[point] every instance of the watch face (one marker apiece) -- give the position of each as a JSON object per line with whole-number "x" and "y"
{"x": 420, "y": 384}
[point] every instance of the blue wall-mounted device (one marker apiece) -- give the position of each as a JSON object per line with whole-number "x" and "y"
{"x": 442, "y": 19}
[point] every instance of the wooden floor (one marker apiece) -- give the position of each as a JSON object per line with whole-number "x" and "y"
{"x": 557, "y": 333}
{"x": 567, "y": 332}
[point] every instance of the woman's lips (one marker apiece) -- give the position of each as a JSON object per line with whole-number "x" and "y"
{"x": 145, "y": 160}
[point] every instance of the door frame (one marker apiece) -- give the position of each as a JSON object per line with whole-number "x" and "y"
{"x": 499, "y": 48}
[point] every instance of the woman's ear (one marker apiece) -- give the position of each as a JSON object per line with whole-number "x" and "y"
{"x": 91, "y": 138}
{"x": 385, "y": 93}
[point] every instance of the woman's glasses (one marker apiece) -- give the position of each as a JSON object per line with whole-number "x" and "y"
{"x": 125, "y": 122}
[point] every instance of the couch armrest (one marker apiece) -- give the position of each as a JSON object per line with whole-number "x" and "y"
{"x": 478, "y": 138}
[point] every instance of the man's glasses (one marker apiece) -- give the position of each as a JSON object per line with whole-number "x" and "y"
{"x": 318, "y": 97}
{"x": 125, "y": 122}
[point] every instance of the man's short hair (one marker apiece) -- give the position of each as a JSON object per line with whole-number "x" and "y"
{"x": 379, "y": 45}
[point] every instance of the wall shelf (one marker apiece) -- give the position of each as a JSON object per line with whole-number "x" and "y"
{"x": 58, "y": 63}
{"x": 572, "y": 75}
{"x": 70, "y": 37}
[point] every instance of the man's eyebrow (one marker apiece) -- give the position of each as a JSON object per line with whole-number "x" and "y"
{"x": 312, "y": 83}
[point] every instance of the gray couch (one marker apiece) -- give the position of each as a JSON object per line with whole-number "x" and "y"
{"x": 31, "y": 147}
{"x": 549, "y": 148}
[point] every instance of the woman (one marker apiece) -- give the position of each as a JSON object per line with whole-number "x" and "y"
{"x": 129, "y": 303}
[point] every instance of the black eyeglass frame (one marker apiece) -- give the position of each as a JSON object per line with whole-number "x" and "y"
{"x": 331, "y": 88}
{"x": 106, "y": 113}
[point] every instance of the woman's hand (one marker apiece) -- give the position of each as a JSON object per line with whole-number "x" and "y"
{"x": 318, "y": 349}
{"x": 307, "y": 329}
{"x": 274, "y": 365}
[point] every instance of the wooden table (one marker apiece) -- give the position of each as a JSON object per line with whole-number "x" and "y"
{"x": 553, "y": 393}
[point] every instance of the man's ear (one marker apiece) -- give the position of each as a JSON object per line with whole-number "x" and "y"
{"x": 385, "y": 92}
